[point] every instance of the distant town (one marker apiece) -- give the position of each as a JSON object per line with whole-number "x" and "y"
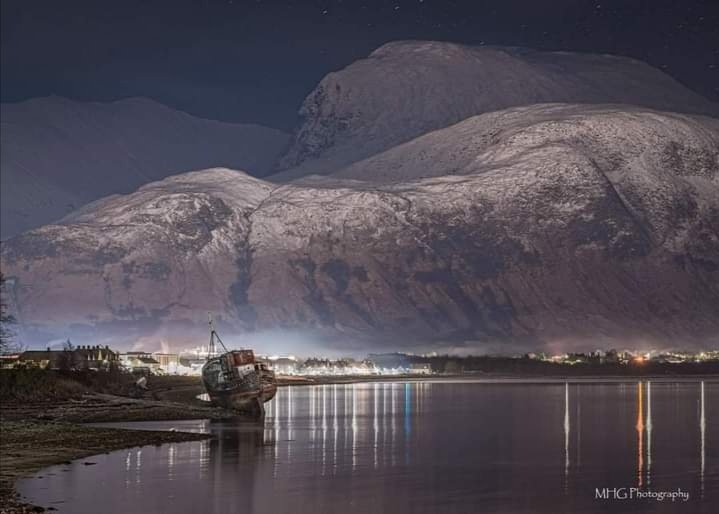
{"x": 189, "y": 362}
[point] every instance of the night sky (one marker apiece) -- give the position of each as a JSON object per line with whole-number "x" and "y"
{"x": 255, "y": 60}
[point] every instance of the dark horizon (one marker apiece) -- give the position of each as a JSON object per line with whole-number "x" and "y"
{"x": 254, "y": 61}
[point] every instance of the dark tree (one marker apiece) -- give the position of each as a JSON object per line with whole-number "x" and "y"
{"x": 66, "y": 359}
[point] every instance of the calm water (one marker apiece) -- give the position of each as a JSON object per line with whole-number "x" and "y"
{"x": 420, "y": 447}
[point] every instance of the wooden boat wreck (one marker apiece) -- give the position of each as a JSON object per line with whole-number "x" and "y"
{"x": 236, "y": 380}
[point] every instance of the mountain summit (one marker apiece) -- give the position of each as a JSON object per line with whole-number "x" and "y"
{"x": 407, "y": 88}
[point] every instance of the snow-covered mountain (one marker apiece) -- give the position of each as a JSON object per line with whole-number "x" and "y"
{"x": 408, "y": 88}
{"x": 553, "y": 224}
{"x": 58, "y": 154}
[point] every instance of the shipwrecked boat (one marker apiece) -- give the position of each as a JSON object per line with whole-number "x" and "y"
{"x": 236, "y": 380}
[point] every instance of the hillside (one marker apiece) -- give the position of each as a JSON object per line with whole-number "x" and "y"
{"x": 59, "y": 154}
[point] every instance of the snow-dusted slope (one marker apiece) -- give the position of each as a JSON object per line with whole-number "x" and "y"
{"x": 583, "y": 225}
{"x": 408, "y": 88}
{"x": 58, "y": 154}
{"x": 497, "y": 135}
{"x": 169, "y": 251}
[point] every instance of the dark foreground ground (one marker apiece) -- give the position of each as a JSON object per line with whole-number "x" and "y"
{"x": 47, "y": 427}
{"x": 28, "y": 446}
{"x": 43, "y": 418}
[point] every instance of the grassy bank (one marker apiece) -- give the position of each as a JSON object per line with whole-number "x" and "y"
{"x": 38, "y": 385}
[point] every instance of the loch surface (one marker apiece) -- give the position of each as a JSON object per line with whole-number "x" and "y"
{"x": 424, "y": 447}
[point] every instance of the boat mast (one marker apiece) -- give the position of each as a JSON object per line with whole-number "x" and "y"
{"x": 211, "y": 348}
{"x": 213, "y": 336}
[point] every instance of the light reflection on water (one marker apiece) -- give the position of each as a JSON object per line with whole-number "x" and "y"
{"x": 419, "y": 447}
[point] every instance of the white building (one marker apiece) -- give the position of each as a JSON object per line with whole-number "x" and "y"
{"x": 420, "y": 369}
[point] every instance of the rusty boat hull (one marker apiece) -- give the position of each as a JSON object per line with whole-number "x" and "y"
{"x": 235, "y": 381}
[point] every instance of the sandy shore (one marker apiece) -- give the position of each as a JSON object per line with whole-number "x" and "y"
{"x": 44, "y": 433}
{"x": 37, "y": 435}
{"x": 28, "y": 446}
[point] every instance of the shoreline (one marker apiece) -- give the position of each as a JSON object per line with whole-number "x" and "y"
{"x": 36, "y": 435}
{"x": 30, "y": 446}
{"x": 284, "y": 381}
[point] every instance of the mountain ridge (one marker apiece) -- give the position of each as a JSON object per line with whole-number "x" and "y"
{"x": 574, "y": 225}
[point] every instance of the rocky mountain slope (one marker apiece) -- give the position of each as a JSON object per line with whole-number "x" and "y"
{"x": 553, "y": 224}
{"x": 58, "y": 154}
{"x": 407, "y": 88}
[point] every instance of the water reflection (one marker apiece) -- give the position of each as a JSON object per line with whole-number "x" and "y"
{"x": 640, "y": 435}
{"x": 702, "y": 436}
{"x": 566, "y": 437}
{"x": 420, "y": 447}
{"x": 375, "y": 424}
{"x": 649, "y": 433}
{"x": 354, "y": 426}
{"x": 643, "y": 427}
{"x": 579, "y": 429}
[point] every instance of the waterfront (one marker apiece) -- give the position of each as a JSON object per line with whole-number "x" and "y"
{"x": 419, "y": 447}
